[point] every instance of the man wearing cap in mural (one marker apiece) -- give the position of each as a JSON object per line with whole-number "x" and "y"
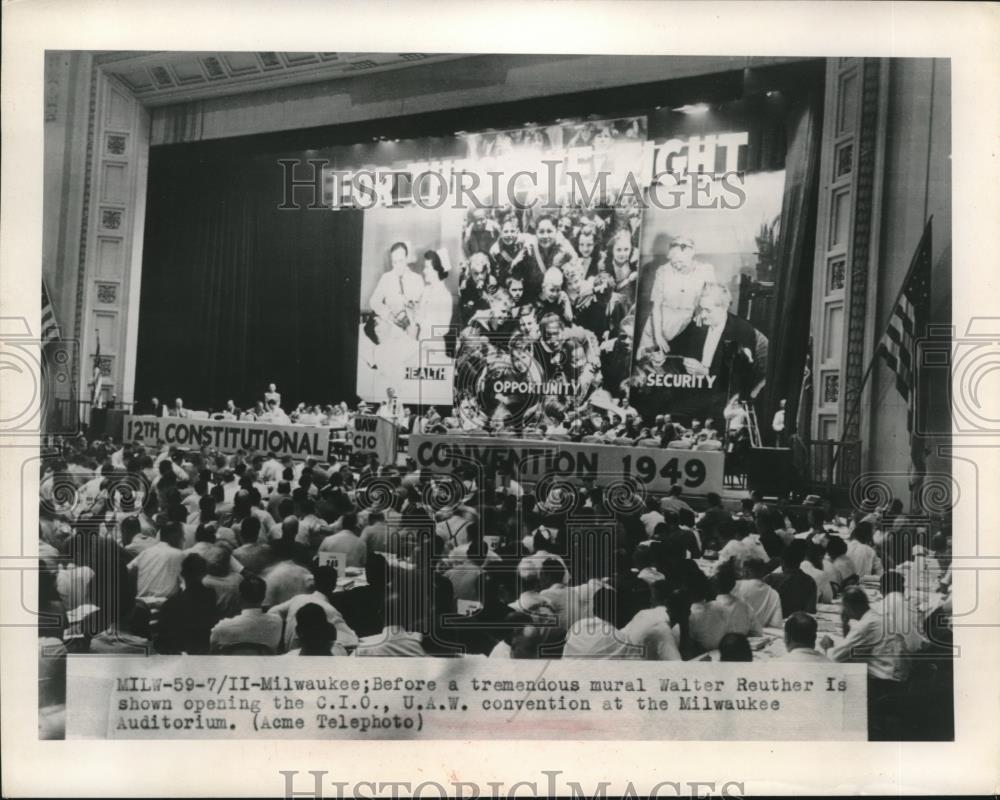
{"x": 676, "y": 289}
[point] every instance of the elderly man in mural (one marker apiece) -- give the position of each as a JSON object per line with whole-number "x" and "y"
{"x": 717, "y": 357}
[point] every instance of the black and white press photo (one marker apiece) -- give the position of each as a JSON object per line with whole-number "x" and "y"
{"x": 440, "y": 393}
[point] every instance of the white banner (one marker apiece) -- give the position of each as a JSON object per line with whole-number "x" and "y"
{"x": 696, "y": 472}
{"x": 297, "y": 441}
{"x": 231, "y": 697}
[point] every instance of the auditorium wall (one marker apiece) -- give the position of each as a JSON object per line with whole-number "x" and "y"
{"x": 917, "y": 184}
{"x": 95, "y": 155}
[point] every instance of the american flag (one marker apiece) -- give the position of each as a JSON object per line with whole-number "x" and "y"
{"x": 803, "y": 425}
{"x": 898, "y": 348}
{"x": 907, "y": 322}
{"x": 50, "y": 328}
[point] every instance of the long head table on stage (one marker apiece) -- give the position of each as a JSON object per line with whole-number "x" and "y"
{"x": 696, "y": 472}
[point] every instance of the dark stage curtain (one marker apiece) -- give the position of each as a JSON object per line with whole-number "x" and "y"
{"x": 789, "y": 341}
{"x": 237, "y": 294}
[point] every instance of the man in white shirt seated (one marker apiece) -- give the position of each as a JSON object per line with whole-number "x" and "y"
{"x": 839, "y": 566}
{"x": 861, "y": 552}
{"x": 570, "y": 603}
{"x": 743, "y": 546}
{"x": 91, "y": 492}
{"x": 765, "y": 601}
{"x": 312, "y": 530}
{"x": 178, "y": 409}
{"x": 673, "y": 501}
{"x": 375, "y": 534}
{"x": 157, "y": 568}
{"x": 324, "y": 585}
{"x": 898, "y": 612}
{"x": 652, "y": 517}
{"x": 271, "y": 469}
{"x": 347, "y": 542}
{"x": 651, "y": 629}
{"x": 244, "y": 509}
{"x": 229, "y": 413}
{"x": 274, "y": 414}
{"x": 812, "y": 565}
{"x": 867, "y": 641}
{"x": 395, "y": 639}
{"x": 710, "y": 621}
{"x": 227, "y": 480}
{"x": 596, "y": 637}
{"x": 284, "y": 580}
{"x": 800, "y": 640}
{"x": 529, "y": 581}
{"x": 252, "y": 631}
{"x": 466, "y": 576}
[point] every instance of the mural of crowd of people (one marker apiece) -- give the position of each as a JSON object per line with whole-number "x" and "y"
{"x": 545, "y": 313}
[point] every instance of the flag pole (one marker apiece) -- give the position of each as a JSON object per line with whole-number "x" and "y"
{"x": 874, "y": 358}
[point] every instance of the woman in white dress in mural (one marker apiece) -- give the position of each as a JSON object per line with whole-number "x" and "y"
{"x": 436, "y": 303}
{"x": 676, "y": 289}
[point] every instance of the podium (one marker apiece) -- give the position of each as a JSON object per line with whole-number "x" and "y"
{"x": 771, "y": 470}
{"x": 371, "y": 433}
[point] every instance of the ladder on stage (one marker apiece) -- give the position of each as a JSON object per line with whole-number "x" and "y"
{"x": 751, "y": 413}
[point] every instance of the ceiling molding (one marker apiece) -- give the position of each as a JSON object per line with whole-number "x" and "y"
{"x": 166, "y": 78}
